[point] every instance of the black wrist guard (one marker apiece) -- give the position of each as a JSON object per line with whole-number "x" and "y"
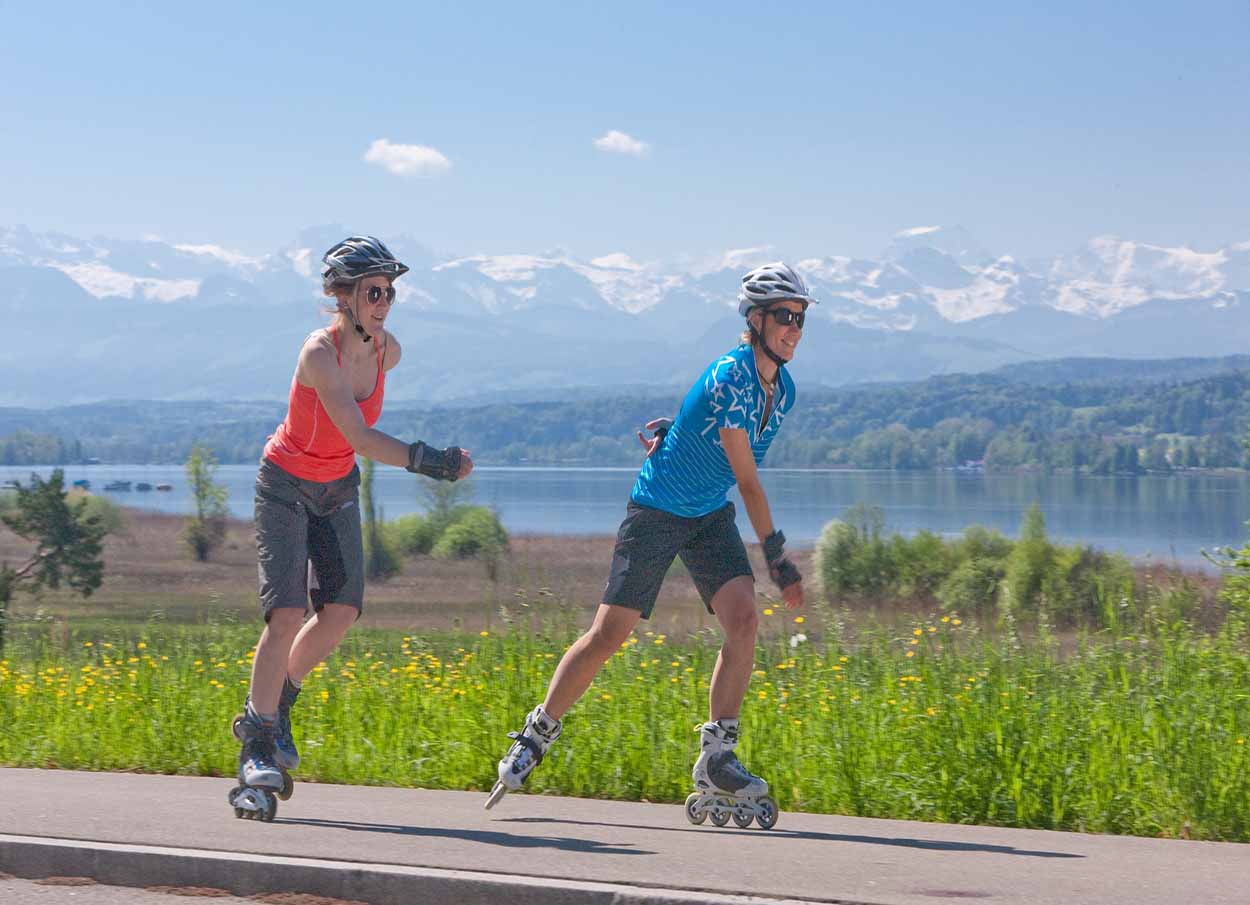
{"x": 783, "y": 572}
{"x": 774, "y": 546}
{"x": 442, "y": 465}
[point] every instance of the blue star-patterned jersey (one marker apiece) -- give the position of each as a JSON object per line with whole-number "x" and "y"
{"x": 689, "y": 474}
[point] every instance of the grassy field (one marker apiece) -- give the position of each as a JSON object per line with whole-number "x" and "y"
{"x": 1141, "y": 729}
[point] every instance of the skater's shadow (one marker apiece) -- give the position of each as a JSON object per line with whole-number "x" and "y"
{"x": 931, "y": 844}
{"x": 510, "y": 840}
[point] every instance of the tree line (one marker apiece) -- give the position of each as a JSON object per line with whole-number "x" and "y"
{"x": 990, "y": 420}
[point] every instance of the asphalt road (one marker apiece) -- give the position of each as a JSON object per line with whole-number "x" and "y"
{"x": 180, "y": 830}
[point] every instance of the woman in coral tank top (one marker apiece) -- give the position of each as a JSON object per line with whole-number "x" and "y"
{"x": 308, "y": 535}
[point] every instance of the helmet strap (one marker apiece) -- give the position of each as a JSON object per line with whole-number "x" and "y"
{"x": 352, "y": 316}
{"x": 758, "y": 336}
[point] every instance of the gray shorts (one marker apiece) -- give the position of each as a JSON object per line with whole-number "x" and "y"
{"x": 650, "y": 539}
{"x": 308, "y": 541}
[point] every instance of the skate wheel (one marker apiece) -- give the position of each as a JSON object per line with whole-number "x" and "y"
{"x": 270, "y": 811}
{"x": 693, "y": 812}
{"x": 721, "y": 813}
{"x": 743, "y": 820}
{"x": 766, "y": 813}
{"x": 288, "y": 786}
{"x": 496, "y": 793}
{"x": 239, "y": 813}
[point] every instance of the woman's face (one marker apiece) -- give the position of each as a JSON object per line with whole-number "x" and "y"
{"x": 372, "y": 300}
{"x": 782, "y": 339}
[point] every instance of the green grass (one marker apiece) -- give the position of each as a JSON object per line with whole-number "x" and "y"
{"x": 1141, "y": 731}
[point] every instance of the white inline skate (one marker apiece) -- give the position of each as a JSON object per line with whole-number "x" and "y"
{"x": 261, "y": 781}
{"x": 526, "y": 753}
{"x": 724, "y": 788}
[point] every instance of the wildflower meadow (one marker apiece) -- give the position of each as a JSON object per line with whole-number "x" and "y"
{"x": 1141, "y": 728}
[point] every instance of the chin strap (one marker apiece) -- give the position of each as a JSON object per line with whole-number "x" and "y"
{"x": 758, "y": 336}
{"x": 351, "y": 316}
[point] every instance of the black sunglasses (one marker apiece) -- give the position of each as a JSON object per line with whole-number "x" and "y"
{"x": 374, "y": 295}
{"x": 786, "y": 317}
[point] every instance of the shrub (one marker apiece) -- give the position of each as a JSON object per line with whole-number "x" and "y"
{"x": 1078, "y": 584}
{"x": 477, "y": 530}
{"x": 110, "y": 516}
{"x": 412, "y": 534}
{"x": 920, "y": 564}
{"x": 973, "y": 587}
{"x": 1030, "y": 560}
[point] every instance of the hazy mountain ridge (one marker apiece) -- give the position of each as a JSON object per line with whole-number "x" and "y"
{"x": 150, "y": 319}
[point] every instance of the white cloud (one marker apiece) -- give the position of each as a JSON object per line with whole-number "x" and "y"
{"x": 616, "y": 142}
{"x": 407, "y": 160}
{"x": 916, "y": 231}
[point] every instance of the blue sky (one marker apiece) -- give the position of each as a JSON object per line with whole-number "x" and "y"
{"x": 819, "y": 129}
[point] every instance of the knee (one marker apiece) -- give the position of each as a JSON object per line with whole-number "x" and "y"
{"x": 338, "y": 616}
{"x": 284, "y": 624}
{"x": 603, "y": 641}
{"x": 743, "y": 625}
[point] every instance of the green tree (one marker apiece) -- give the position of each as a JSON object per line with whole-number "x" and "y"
{"x": 68, "y": 543}
{"x": 381, "y": 560}
{"x": 1029, "y": 562}
{"x": 205, "y": 530}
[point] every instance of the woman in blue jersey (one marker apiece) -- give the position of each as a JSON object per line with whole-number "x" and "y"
{"x": 679, "y": 508}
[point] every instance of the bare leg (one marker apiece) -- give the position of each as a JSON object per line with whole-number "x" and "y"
{"x": 269, "y": 664}
{"x": 318, "y": 638}
{"x": 582, "y": 662}
{"x": 734, "y": 605}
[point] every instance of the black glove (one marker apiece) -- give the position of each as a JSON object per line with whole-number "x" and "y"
{"x": 442, "y": 465}
{"x": 783, "y": 572}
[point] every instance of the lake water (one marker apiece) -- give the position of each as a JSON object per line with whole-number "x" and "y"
{"x": 1167, "y": 518}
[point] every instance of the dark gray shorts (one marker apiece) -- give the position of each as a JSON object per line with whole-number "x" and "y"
{"x": 308, "y": 541}
{"x": 649, "y": 539}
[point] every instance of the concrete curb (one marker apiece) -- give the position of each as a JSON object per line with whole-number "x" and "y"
{"x": 377, "y": 884}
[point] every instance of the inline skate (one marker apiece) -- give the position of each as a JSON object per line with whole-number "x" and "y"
{"x": 526, "y": 753}
{"x": 724, "y": 788}
{"x": 261, "y": 780}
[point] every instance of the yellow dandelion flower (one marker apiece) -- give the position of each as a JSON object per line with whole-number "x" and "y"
{"x": 142, "y": 645}
{"x": 911, "y": 653}
{"x": 484, "y": 634}
{"x": 768, "y": 611}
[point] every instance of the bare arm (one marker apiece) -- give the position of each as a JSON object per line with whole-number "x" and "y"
{"x": 318, "y": 369}
{"x": 737, "y": 446}
{"x": 738, "y": 450}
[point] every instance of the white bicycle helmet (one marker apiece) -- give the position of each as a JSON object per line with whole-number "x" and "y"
{"x": 774, "y": 282}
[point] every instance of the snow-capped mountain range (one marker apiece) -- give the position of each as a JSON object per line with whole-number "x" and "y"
{"x": 152, "y": 319}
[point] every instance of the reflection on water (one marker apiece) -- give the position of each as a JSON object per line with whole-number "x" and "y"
{"x": 1164, "y": 517}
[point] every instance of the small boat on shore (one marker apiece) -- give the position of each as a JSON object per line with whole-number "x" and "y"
{"x": 118, "y": 486}
{"x": 164, "y": 486}
{"x": 143, "y": 486}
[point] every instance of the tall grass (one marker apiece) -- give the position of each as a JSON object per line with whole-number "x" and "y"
{"x": 1140, "y": 730}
